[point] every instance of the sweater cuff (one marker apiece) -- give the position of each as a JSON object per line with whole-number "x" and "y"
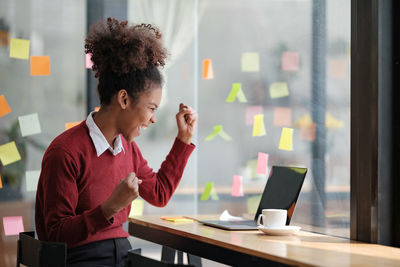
{"x": 185, "y": 149}
{"x": 95, "y": 220}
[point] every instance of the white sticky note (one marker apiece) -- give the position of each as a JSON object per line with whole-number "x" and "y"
{"x": 32, "y": 178}
{"x": 29, "y": 124}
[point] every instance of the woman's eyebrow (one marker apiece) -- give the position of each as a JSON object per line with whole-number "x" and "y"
{"x": 152, "y": 103}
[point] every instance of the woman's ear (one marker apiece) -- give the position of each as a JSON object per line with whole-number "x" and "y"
{"x": 123, "y": 98}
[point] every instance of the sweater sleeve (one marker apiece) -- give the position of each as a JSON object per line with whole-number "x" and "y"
{"x": 157, "y": 188}
{"x": 60, "y": 198}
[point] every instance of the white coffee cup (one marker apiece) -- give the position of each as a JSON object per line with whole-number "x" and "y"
{"x": 273, "y": 218}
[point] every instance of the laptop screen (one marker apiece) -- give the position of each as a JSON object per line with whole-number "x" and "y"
{"x": 282, "y": 189}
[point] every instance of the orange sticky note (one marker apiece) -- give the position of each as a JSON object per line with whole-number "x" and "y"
{"x": 4, "y": 107}
{"x": 207, "y": 69}
{"x": 282, "y": 116}
{"x": 338, "y": 68}
{"x": 290, "y": 61}
{"x": 1, "y": 184}
{"x": 237, "y": 186}
{"x": 71, "y": 124}
{"x": 40, "y": 65}
{"x": 96, "y": 108}
{"x": 262, "y": 163}
{"x": 13, "y": 225}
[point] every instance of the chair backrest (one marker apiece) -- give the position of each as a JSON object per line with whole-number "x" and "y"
{"x": 136, "y": 259}
{"x": 35, "y": 253}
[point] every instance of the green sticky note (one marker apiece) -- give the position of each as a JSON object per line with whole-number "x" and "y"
{"x": 286, "y": 142}
{"x": 278, "y": 90}
{"x": 19, "y": 48}
{"x": 218, "y": 130}
{"x": 9, "y": 153}
{"x": 236, "y": 92}
{"x": 137, "y": 207}
{"x": 250, "y": 62}
{"x": 258, "y": 127}
{"x": 207, "y": 191}
{"x": 252, "y": 204}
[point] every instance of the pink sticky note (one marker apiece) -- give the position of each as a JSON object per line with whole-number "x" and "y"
{"x": 262, "y": 163}
{"x": 282, "y": 116}
{"x": 251, "y": 111}
{"x": 13, "y": 225}
{"x": 290, "y": 61}
{"x": 89, "y": 62}
{"x": 338, "y": 68}
{"x": 237, "y": 187}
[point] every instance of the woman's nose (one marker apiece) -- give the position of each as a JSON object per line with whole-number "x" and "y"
{"x": 153, "y": 119}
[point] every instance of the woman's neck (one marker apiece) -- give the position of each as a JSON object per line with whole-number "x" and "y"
{"x": 105, "y": 120}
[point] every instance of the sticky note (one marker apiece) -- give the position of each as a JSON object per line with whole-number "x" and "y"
{"x": 209, "y": 191}
{"x": 96, "y": 108}
{"x": 29, "y": 124}
{"x": 338, "y": 68}
{"x": 88, "y": 61}
{"x": 250, "y": 62}
{"x": 290, "y": 61}
{"x": 207, "y": 69}
{"x": 251, "y": 111}
{"x": 252, "y": 204}
{"x": 40, "y": 65}
{"x": 286, "y": 142}
{"x": 237, "y": 186}
{"x": 137, "y": 207}
{"x": 282, "y": 116}
{"x": 218, "y": 130}
{"x": 13, "y": 225}
{"x": 19, "y": 48}
{"x": 258, "y": 127}
{"x": 251, "y": 169}
{"x": 178, "y": 219}
{"x": 9, "y": 153}
{"x": 236, "y": 92}
{"x": 278, "y": 90}
{"x": 4, "y": 107}
{"x": 262, "y": 163}
{"x": 69, "y": 125}
{"x": 1, "y": 183}
{"x": 32, "y": 178}
{"x": 308, "y": 132}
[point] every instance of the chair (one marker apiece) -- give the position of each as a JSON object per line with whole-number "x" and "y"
{"x": 135, "y": 258}
{"x": 35, "y": 253}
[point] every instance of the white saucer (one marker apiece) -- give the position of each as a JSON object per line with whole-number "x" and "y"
{"x": 286, "y": 230}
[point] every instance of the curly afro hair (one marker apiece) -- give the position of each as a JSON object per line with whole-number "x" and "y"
{"x": 125, "y": 57}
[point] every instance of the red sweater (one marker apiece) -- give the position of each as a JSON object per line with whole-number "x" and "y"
{"x": 74, "y": 182}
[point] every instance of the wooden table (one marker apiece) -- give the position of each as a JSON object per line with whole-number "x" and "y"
{"x": 253, "y": 248}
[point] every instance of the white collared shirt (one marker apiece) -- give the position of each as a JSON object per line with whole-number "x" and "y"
{"x": 99, "y": 141}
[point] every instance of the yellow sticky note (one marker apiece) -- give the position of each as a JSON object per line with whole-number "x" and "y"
{"x": 252, "y": 204}
{"x": 19, "y": 48}
{"x": 40, "y": 65}
{"x": 218, "y": 130}
{"x": 9, "y": 153}
{"x": 29, "y": 124}
{"x": 209, "y": 192}
{"x": 258, "y": 127}
{"x": 236, "y": 92}
{"x": 286, "y": 142}
{"x": 207, "y": 69}
{"x": 250, "y": 62}
{"x": 278, "y": 90}
{"x": 178, "y": 219}
{"x": 4, "y": 107}
{"x": 137, "y": 207}
{"x": 69, "y": 125}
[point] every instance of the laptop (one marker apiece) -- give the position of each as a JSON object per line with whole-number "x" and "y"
{"x": 281, "y": 192}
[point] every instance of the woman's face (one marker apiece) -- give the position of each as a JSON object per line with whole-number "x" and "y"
{"x": 138, "y": 116}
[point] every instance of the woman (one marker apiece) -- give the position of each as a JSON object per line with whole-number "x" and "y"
{"x": 92, "y": 172}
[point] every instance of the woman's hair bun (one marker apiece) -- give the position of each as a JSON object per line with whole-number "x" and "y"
{"x": 119, "y": 48}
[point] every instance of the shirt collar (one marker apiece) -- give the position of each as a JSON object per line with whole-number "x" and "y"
{"x": 99, "y": 141}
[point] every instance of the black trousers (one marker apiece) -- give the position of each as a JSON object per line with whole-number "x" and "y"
{"x": 110, "y": 252}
